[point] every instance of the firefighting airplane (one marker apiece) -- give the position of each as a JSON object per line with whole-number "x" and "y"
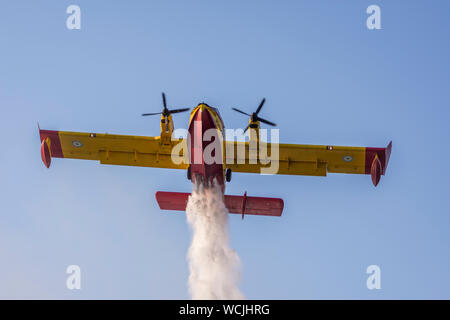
{"x": 293, "y": 159}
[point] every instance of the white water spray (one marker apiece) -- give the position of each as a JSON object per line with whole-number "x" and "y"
{"x": 214, "y": 267}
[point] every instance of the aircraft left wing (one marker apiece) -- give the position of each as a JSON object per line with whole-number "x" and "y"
{"x": 110, "y": 149}
{"x": 312, "y": 160}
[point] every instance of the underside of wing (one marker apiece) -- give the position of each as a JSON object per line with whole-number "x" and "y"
{"x": 312, "y": 160}
{"x": 111, "y": 149}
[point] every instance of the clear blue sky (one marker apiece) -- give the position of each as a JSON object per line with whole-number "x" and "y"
{"x": 327, "y": 80}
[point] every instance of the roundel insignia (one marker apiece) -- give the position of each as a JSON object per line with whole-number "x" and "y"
{"x": 347, "y": 158}
{"x": 77, "y": 144}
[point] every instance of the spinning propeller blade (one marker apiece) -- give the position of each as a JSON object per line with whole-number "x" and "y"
{"x": 166, "y": 112}
{"x": 254, "y": 116}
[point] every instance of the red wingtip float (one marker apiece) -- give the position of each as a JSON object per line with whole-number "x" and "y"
{"x": 45, "y": 152}
{"x": 377, "y": 160}
{"x": 50, "y": 146}
{"x": 290, "y": 159}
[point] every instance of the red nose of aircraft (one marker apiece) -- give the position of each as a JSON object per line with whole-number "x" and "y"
{"x": 203, "y": 164}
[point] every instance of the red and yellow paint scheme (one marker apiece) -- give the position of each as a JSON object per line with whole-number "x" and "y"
{"x": 293, "y": 159}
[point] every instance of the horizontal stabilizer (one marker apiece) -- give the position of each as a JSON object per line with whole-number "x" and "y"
{"x": 172, "y": 200}
{"x": 235, "y": 204}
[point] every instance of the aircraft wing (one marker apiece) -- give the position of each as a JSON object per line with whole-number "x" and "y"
{"x": 312, "y": 160}
{"x": 110, "y": 149}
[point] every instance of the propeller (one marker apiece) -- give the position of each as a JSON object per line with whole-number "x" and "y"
{"x": 254, "y": 116}
{"x": 166, "y": 112}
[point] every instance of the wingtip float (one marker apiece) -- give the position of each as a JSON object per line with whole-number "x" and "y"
{"x": 377, "y": 160}
{"x": 293, "y": 159}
